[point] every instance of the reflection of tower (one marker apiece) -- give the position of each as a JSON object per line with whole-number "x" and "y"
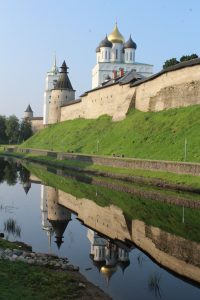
{"x": 123, "y": 258}
{"x": 26, "y": 186}
{"x": 58, "y": 216}
{"x": 107, "y": 255}
{"x": 46, "y": 225}
{"x": 24, "y": 176}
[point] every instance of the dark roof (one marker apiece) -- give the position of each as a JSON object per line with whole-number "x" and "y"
{"x": 63, "y": 80}
{"x": 98, "y": 49}
{"x": 64, "y": 67}
{"x": 29, "y": 109}
{"x": 105, "y": 43}
{"x": 189, "y": 63}
{"x": 129, "y": 77}
{"x": 37, "y": 118}
{"x": 59, "y": 229}
{"x": 130, "y": 44}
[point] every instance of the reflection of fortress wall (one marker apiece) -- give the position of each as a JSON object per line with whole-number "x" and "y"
{"x": 176, "y": 247}
{"x": 110, "y": 221}
{"x": 175, "y": 256}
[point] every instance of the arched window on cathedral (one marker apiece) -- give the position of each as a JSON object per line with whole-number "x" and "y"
{"x": 116, "y": 53}
{"x": 130, "y": 55}
{"x": 105, "y": 54}
{"x": 126, "y": 56}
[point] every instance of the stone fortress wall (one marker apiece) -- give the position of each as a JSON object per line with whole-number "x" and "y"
{"x": 177, "y": 86}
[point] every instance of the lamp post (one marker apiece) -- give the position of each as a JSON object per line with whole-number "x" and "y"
{"x": 185, "y": 150}
{"x": 183, "y": 215}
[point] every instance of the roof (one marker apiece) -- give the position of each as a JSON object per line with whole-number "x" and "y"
{"x": 181, "y": 65}
{"x": 130, "y": 44}
{"x": 63, "y": 80}
{"x": 37, "y": 118}
{"x": 105, "y": 43}
{"x": 29, "y": 109}
{"x": 116, "y": 36}
{"x": 129, "y": 77}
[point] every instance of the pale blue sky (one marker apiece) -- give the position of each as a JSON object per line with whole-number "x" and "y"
{"x": 32, "y": 30}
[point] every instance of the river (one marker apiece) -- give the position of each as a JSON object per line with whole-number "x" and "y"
{"x": 130, "y": 247}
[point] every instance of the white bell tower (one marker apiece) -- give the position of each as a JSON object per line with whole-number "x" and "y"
{"x": 51, "y": 79}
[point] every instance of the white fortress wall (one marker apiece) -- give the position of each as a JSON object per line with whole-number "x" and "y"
{"x": 176, "y": 88}
{"x": 113, "y": 101}
{"x": 169, "y": 90}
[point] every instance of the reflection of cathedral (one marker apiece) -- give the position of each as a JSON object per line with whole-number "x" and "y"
{"x": 106, "y": 255}
{"x": 55, "y": 218}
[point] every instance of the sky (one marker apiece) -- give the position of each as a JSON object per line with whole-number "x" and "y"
{"x": 31, "y": 31}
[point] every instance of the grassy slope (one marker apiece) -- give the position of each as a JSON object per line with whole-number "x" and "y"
{"x": 149, "y": 135}
{"x": 22, "y": 281}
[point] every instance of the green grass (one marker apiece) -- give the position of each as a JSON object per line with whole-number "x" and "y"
{"x": 22, "y": 281}
{"x": 150, "y": 135}
{"x": 166, "y": 177}
{"x": 11, "y": 245}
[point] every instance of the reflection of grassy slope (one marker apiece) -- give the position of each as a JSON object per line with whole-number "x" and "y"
{"x": 148, "y": 135}
{"x": 179, "y": 179}
{"x": 165, "y": 216}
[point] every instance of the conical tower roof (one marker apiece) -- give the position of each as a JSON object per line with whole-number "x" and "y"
{"x": 59, "y": 229}
{"x": 63, "y": 80}
{"x": 29, "y": 109}
{"x": 54, "y": 68}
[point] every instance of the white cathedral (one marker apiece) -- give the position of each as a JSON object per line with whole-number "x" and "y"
{"x": 115, "y": 57}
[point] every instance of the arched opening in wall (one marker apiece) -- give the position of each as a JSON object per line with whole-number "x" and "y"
{"x": 130, "y": 55}
{"x": 105, "y": 54}
{"x": 116, "y": 54}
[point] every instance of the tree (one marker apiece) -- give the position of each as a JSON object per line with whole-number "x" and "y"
{"x": 25, "y": 130}
{"x": 12, "y": 129}
{"x": 3, "y": 136}
{"x": 188, "y": 57}
{"x": 170, "y": 62}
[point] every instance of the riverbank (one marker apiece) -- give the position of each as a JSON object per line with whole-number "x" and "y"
{"x": 171, "y": 135}
{"x": 150, "y": 173}
{"x": 41, "y": 276}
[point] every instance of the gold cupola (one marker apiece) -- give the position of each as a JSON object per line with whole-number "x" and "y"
{"x": 116, "y": 36}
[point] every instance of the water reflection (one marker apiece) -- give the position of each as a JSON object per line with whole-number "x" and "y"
{"x": 114, "y": 233}
{"x": 54, "y": 217}
{"x": 106, "y": 255}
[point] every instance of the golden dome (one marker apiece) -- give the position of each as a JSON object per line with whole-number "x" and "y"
{"x": 108, "y": 271}
{"x": 116, "y": 36}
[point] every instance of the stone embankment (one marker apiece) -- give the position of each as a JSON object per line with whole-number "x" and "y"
{"x": 117, "y": 162}
{"x": 39, "y": 259}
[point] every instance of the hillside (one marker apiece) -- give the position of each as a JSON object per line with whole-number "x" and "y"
{"x": 150, "y": 135}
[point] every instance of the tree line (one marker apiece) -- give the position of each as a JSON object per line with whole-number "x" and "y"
{"x": 14, "y": 131}
{"x": 173, "y": 61}
{"x": 11, "y": 172}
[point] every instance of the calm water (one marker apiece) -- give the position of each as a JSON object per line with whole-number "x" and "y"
{"x": 101, "y": 239}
